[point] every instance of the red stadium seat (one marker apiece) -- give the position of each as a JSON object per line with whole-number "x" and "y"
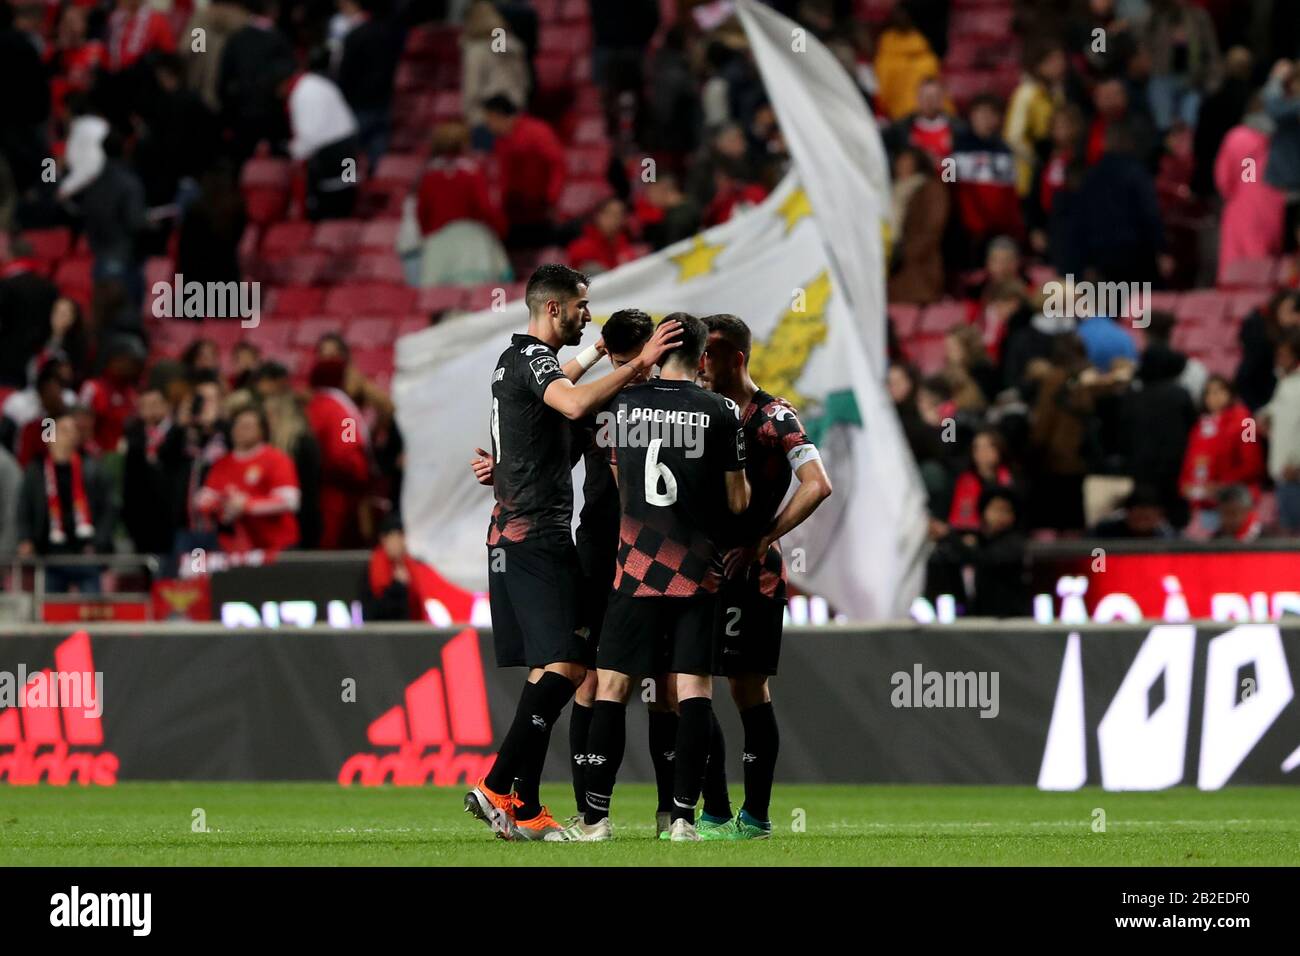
{"x": 369, "y": 299}
{"x": 584, "y": 162}
{"x": 580, "y": 198}
{"x": 928, "y": 352}
{"x": 401, "y": 168}
{"x": 49, "y": 245}
{"x": 285, "y": 239}
{"x": 413, "y": 324}
{"x": 310, "y": 267}
{"x": 367, "y": 333}
{"x": 377, "y": 267}
{"x": 906, "y": 319}
{"x": 307, "y": 332}
{"x": 74, "y": 275}
{"x": 266, "y": 186}
{"x": 940, "y": 317}
{"x": 225, "y": 332}
{"x": 553, "y": 70}
{"x": 1249, "y": 274}
{"x": 1203, "y": 306}
{"x": 295, "y": 301}
{"x": 158, "y": 269}
{"x": 1243, "y": 303}
{"x": 380, "y": 235}
{"x": 273, "y": 332}
{"x": 574, "y": 11}
{"x": 489, "y": 295}
{"x": 440, "y": 299}
{"x": 337, "y": 235}
{"x": 590, "y": 131}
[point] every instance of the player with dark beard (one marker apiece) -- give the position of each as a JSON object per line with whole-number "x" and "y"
{"x": 752, "y": 598}
{"x": 532, "y": 562}
{"x": 623, "y": 336}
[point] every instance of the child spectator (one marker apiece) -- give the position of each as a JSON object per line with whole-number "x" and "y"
{"x": 1223, "y": 449}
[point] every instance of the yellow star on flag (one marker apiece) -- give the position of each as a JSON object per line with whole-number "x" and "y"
{"x": 698, "y": 261}
{"x": 794, "y": 208}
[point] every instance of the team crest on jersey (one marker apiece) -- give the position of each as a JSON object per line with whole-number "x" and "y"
{"x": 543, "y": 366}
{"x": 252, "y": 474}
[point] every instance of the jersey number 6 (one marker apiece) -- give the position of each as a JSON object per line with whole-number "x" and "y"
{"x": 653, "y": 472}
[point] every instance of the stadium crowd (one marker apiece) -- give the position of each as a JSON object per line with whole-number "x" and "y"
{"x": 1116, "y": 141}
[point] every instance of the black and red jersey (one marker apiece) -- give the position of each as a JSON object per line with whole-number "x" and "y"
{"x": 673, "y": 443}
{"x": 777, "y": 445}
{"x": 530, "y": 447}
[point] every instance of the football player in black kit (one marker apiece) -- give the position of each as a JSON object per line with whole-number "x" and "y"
{"x": 679, "y": 455}
{"x": 623, "y": 336}
{"x": 532, "y": 562}
{"x": 752, "y": 597}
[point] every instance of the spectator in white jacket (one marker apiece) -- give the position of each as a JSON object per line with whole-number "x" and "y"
{"x": 1282, "y": 419}
{"x": 324, "y": 136}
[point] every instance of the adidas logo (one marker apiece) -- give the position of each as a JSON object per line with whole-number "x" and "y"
{"x": 443, "y": 707}
{"x": 42, "y": 727}
{"x": 748, "y": 758}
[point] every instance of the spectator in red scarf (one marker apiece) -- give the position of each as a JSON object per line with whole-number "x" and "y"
{"x": 988, "y": 470}
{"x": 1222, "y": 449}
{"x": 110, "y": 398}
{"x": 344, "y": 440}
{"x": 604, "y": 244}
{"x": 135, "y": 28}
{"x": 66, "y": 508}
{"x": 454, "y": 185}
{"x": 531, "y": 160}
{"x": 52, "y": 394}
{"x": 252, "y": 491}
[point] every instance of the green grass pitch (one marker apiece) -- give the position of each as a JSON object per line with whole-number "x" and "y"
{"x": 324, "y": 824}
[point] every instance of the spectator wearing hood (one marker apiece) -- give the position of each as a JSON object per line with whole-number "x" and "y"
{"x": 1253, "y": 211}
{"x": 1236, "y": 517}
{"x": 1141, "y": 517}
{"x": 111, "y": 396}
{"x": 1158, "y": 416}
{"x": 344, "y": 440}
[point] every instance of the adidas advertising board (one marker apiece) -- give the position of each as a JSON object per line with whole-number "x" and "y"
{"x": 1126, "y": 707}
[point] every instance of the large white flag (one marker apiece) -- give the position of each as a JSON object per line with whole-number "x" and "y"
{"x": 862, "y": 550}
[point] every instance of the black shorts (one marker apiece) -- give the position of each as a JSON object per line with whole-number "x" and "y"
{"x": 649, "y": 635}
{"x": 533, "y": 594}
{"x": 594, "y": 588}
{"x": 748, "y": 629}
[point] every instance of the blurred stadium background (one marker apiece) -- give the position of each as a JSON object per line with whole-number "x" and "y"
{"x": 372, "y": 168}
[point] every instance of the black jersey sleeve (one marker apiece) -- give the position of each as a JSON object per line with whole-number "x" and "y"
{"x": 540, "y": 369}
{"x": 730, "y": 434}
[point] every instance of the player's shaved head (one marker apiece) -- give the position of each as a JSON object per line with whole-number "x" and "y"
{"x": 733, "y": 330}
{"x": 627, "y": 330}
{"x": 690, "y": 347}
{"x": 552, "y": 281}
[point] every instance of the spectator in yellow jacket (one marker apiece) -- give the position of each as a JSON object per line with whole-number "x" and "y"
{"x": 1035, "y": 100}
{"x": 903, "y": 59}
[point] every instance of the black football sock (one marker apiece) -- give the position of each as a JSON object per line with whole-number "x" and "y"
{"x": 663, "y": 746}
{"x": 694, "y": 730}
{"x": 717, "y": 802}
{"x": 552, "y": 693}
{"x": 762, "y": 741}
{"x": 514, "y": 745}
{"x": 605, "y": 744}
{"x": 579, "y": 725}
